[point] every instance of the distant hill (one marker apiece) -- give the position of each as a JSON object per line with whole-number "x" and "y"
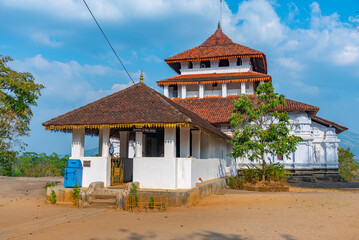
{"x": 350, "y": 139}
{"x": 89, "y": 152}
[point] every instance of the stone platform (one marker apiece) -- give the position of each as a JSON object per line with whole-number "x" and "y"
{"x": 96, "y": 195}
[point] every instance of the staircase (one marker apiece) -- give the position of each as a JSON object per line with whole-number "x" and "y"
{"x": 102, "y": 201}
{"x": 97, "y": 196}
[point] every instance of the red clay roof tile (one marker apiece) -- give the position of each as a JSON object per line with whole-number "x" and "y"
{"x": 215, "y": 77}
{"x": 136, "y": 104}
{"x": 218, "y": 110}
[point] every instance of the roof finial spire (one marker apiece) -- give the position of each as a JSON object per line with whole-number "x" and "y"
{"x": 220, "y": 14}
{"x": 141, "y": 76}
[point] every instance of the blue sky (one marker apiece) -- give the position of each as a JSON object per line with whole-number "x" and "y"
{"x": 312, "y": 49}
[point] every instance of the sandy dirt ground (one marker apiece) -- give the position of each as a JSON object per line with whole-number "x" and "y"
{"x": 231, "y": 215}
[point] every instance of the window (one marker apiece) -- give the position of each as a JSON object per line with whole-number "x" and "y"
{"x": 223, "y": 63}
{"x": 205, "y": 64}
{"x": 279, "y": 157}
{"x": 214, "y": 84}
{"x": 239, "y": 62}
{"x": 190, "y": 65}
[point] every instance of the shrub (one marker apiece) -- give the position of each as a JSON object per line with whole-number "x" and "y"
{"x": 347, "y": 165}
{"x": 75, "y": 195}
{"x": 273, "y": 172}
{"x": 235, "y": 182}
{"x": 53, "y": 197}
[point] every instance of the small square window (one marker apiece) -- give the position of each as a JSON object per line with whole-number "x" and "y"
{"x": 279, "y": 157}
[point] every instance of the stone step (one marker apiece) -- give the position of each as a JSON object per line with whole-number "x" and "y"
{"x": 103, "y": 196}
{"x": 100, "y": 206}
{"x": 111, "y": 201}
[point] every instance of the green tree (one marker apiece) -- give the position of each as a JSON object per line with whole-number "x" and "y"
{"x": 18, "y": 93}
{"x": 260, "y": 129}
{"x": 347, "y": 165}
{"x": 31, "y": 164}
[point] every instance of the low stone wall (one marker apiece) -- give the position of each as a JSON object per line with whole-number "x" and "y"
{"x": 63, "y": 195}
{"x": 176, "y": 198}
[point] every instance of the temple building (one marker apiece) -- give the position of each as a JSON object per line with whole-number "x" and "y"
{"x": 176, "y": 140}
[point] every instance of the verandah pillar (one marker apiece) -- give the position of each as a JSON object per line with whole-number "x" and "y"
{"x": 139, "y": 144}
{"x": 184, "y": 142}
{"x": 124, "y": 144}
{"x": 196, "y": 143}
{"x": 105, "y": 142}
{"x": 78, "y": 142}
{"x": 170, "y": 142}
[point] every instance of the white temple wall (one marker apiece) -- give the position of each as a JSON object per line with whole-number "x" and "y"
{"x": 175, "y": 173}
{"x": 318, "y": 150}
{"x": 99, "y": 170}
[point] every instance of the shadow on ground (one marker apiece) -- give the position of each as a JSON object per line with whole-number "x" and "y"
{"x": 326, "y": 185}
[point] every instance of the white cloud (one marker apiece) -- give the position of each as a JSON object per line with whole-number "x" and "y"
{"x": 291, "y": 64}
{"x": 307, "y": 89}
{"x": 259, "y": 23}
{"x": 116, "y": 10}
{"x": 44, "y": 39}
{"x": 71, "y": 81}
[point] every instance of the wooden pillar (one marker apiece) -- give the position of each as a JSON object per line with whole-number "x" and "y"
{"x": 78, "y": 142}
{"x": 124, "y": 144}
{"x": 196, "y": 143}
{"x": 184, "y": 142}
{"x": 170, "y": 142}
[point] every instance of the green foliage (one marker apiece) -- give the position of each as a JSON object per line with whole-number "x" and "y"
{"x": 152, "y": 203}
{"x": 133, "y": 198}
{"x": 235, "y": 182}
{"x": 274, "y": 172}
{"x": 53, "y": 197}
{"x": 31, "y": 164}
{"x": 49, "y": 185}
{"x": 259, "y": 128}
{"x": 347, "y": 166}
{"x": 18, "y": 93}
{"x": 75, "y": 194}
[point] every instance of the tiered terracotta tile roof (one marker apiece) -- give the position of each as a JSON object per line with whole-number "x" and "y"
{"x": 325, "y": 122}
{"x": 218, "y": 109}
{"x": 136, "y": 104}
{"x": 215, "y": 78}
{"x": 217, "y": 46}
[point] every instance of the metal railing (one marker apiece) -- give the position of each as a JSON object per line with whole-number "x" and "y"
{"x": 146, "y": 202}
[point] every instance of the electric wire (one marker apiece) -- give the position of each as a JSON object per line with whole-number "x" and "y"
{"x": 108, "y": 41}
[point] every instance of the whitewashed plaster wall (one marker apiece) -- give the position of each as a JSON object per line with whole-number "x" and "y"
{"x": 175, "y": 173}
{"x": 99, "y": 170}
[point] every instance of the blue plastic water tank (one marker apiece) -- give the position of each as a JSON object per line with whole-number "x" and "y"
{"x": 73, "y": 173}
